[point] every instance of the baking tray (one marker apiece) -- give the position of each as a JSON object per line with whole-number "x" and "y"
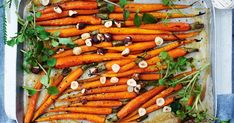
{"x": 13, "y": 77}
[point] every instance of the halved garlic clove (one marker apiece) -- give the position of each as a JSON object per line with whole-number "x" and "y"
{"x": 160, "y": 102}
{"x": 71, "y": 12}
{"x": 57, "y": 9}
{"x": 88, "y": 42}
{"x": 141, "y": 111}
{"x": 44, "y": 2}
{"x": 74, "y": 85}
{"x": 167, "y": 109}
{"x": 103, "y": 80}
{"x": 108, "y": 24}
{"x": 77, "y": 50}
{"x": 143, "y": 64}
{"x": 132, "y": 82}
{"x": 158, "y": 41}
{"x": 137, "y": 88}
{"x": 125, "y": 52}
{"x": 83, "y": 91}
{"x": 115, "y": 68}
{"x": 118, "y": 24}
{"x": 85, "y": 36}
{"x": 114, "y": 80}
{"x": 130, "y": 88}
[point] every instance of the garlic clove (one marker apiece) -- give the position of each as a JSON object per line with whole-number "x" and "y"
{"x": 44, "y": 2}
{"x": 118, "y": 24}
{"x": 160, "y": 102}
{"x": 114, "y": 80}
{"x": 137, "y": 88}
{"x": 141, "y": 111}
{"x": 58, "y": 10}
{"x": 85, "y": 36}
{"x": 167, "y": 109}
{"x": 143, "y": 64}
{"x": 103, "y": 80}
{"x": 108, "y": 24}
{"x": 74, "y": 85}
{"x": 130, "y": 88}
{"x": 125, "y": 52}
{"x": 115, "y": 68}
{"x": 77, "y": 50}
{"x": 88, "y": 42}
{"x": 71, "y": 12}
{"x": 158, "y": 41}
{"x": 132, "y": 82}
{"x": 83, "y": 91}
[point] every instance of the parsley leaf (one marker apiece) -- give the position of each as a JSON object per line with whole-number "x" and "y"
{"x": 31, "y": 91}
{"x": 45, "y": 80}
{"x": 110, "y": 7}
{"x": 65, "y": 41}
{"x": 167, "y": 2}
{"x": 126, "y": 14}
{"x": 148, "y": 18}
{"x": 38, "y": 14}
{"x": 51, "y": 62}
{"x": 52, "y": 90}
{"x": 137, "y": 20}
{"x": 122, "y": 3}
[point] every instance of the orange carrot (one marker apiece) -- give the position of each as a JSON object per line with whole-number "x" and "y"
{"x": 72, "y": 5}
{"x": 121, "y": 62}
{"x": 79, "y": 42}
{"x": 99, "y": 104}
{"x": 140, "y": 38}
{"x": 74, "y": 75}
{"x": 190, "y": 100}
{"x": 118, "y": 88}
{"x": 86, "y": 110}
{"x": 96, "y": 84}
{"x": 135, "y": 47}
{"x": 131, "y": 31}
{"x": 90, "y": 79}
{"x": 70, "y": 61}
{"x": 133, "y": 7}
{"x": 136, "y": 102}
{"x": 69, "y": 32}
{"x": 32, "y": 103}
{"x": 73, "y": 116}
{"x": 150, "y": 76}
{"x": 104, "y": 96}
{"x": 54, "y": 15}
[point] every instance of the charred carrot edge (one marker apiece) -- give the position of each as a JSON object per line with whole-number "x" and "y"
{"x": 72, "y": 5}
{"x": 54, "y": 15}
{"x": 136, "y": 102}
{"x": 86, "y": 110}
{"x": 71, "y": 21}
{"x": 75, "y": 74}
{"x": 32, "y": 104}
{"x": 74, "y": 116}
{"x": 99, "y": 104}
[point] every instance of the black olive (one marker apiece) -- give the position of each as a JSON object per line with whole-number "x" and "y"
{"x": 36, "y": 70}
{"x": 108, "y": 37}
{"x": 81, "y": 25}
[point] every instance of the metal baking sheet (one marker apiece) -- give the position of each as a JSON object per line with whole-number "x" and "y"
{"x": 14, "y": 105}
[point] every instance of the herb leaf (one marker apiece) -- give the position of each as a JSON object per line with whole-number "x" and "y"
{"x": 31, "y": 91}
{"x": 148, "y": 18}
{"x": 52, "y": 90}
{"x": 122, "y": 3}
{"x": 51, "y": 62}
{"x": 65, "y": 41}
{"x": 126, "y": 14}
{"x": 45, "y": 80}
{"x": 38, "y": 14}
{"x": 137, "y": 20}
{"x": 167, "y": 2}
{"x": 110, "y": 7}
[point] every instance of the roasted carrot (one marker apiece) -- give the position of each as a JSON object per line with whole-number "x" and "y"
{"x": 119, "y": 16}
{"x": 133, "y": 7}
{"x": 99, "y": 104}
{"x": 141, "y": 38}
{"x": 72, "y": 5}
{"x": 153, "y": 108}
{"x": 54, "y": 15}
{"x": 190, "y": 100}
{"x": 73, "y": 116}
{"x": 75, "y": 74}
{"x": 104, "y": 96}
{"x": 138, "y": 101}
{"x": 70, "y": 61}
{"x": 96, "y": 84}
{"x": 32, "y": 103}
{"x": 79, "y": 42}
{"x": 90, "y": 79}
{"x": 69, "y": 32}
{"x": 83, "y": 49}
{"x": 135, "y": 47}
{"x": 131, "y": 31}
{"x": 71, "y": 21}
{"x": 150, "y": 76}
{"x": 55, "y": 83}
{"x": 86, "y": 110}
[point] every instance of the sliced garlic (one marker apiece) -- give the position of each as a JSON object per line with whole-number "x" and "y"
{"x": 74, "y": 85}
{"x": 100, "y": 37}
{"x": 44, "y": 2}
{"x": 83, "y": 91}
{"x": 85, "y": 36}
{"x": 143, "y": 64}
{"x": 132, "y": 82}
{"x": 60, "y": 50}
{"x": 166, "y": 109}
{"x": 118, "y": 24}
{"x": 71, "y": 12}
{"x": 114, "y": 80}
{"x": 158, "y": 41}
{"x": 141, "y": 111}
{"x": 88, "y": 42}
{"x": 77, "y": 50}
{"x": 103, "y": 80}
{"x": 115, "y": 68}
{"x": 125, "y": 52}
{"x": 160, "y": 102}
{"x": 137, "y": 88}
{"x": 130, "y": 88}
{"x": 57, "y": 9}
{"x": 108, "y": 24}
